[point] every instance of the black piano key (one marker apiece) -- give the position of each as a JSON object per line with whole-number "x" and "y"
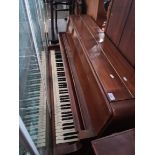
{"x": 68, "y": 118}
{"x": 59, "y": 74}
{"x": 66, "y": 124}
{"x": 68, "y": 127}
{"x": 69, "y": 115}
{"x": 66, "y": 112}
{"x": 65, "y": 108}
{"x": 64, "y": 96}
{"x": 69, "y": 107}
{"x": 65, "y": 105}
{"x": 61, "y": 79}
{"x": 65, "y": 100}
{"x": 62, "y": 86}
{"x": 58, "y": 56}
{"x": 71, "y": 137}
{"x": 70, "y": 133}
{"x": 59, "y": 64}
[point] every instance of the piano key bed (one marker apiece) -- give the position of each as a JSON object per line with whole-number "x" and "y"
{"x": 64, "y": 125}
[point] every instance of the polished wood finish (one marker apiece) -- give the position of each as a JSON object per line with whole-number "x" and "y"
{"x": 120, "y": 65}
{"x": 99, "y": 60}
{"x": 120, "y": 27}
{"x": 117, "y": 19}
{"x": 127, "y": 42}
{"x": 122, "y": 143}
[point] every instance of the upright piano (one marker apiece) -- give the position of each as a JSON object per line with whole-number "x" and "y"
{"x": 92, "y": 79}
{"x": 92, "y": 87}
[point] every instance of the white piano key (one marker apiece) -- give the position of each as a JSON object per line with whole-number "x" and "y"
{"x": 66, "y": 141}
{"x": 65, "y": 121}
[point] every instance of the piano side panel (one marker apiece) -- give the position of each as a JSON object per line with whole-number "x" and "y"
{"x": 123, "y": 116}
{"x": 117, "y": 19}
{"x": 127, "y": 43}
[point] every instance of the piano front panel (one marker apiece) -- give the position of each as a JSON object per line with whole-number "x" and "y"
{"x": 91, "y": 97}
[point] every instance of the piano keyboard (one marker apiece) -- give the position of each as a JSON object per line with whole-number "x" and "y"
{"x": 34, "y": 105}
{"x": 64, "y": 125}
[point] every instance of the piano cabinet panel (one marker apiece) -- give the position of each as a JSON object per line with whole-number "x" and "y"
{"x": 123, "y": 116}
{"x": 121, "y": 65}
{"x": 127, "y": 42}
{"x": 117, "y": 19}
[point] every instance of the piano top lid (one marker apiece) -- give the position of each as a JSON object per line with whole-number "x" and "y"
{"x": 107, "y": 75}
{"x": 125, "y": 71}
